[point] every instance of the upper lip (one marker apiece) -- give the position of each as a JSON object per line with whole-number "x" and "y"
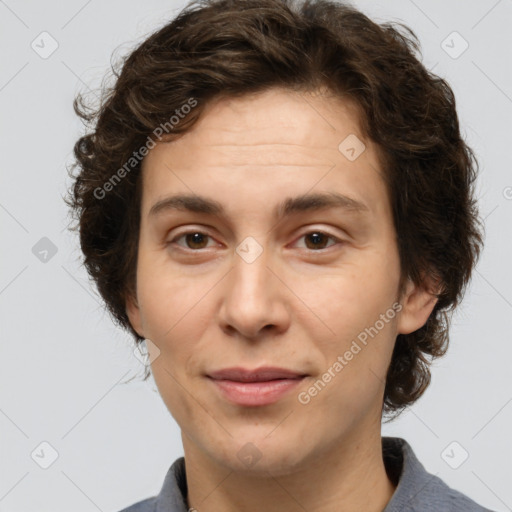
{"x": 257, "y": 375}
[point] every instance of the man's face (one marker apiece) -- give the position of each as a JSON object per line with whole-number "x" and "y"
{"x": 246, "y": 289}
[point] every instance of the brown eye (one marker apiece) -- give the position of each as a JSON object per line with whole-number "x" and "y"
{"x": 193, "y": 240}
{"x": 317, "y": 240}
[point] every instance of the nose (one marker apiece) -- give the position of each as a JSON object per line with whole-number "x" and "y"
{"x": 255, "y": 299}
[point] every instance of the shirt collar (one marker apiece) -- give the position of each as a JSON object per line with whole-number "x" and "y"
{"x": 407, "y": 471}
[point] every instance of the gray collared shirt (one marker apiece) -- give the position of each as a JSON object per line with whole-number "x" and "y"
{"x": 417, "y": 490}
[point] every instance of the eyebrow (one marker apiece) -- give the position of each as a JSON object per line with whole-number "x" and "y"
{"x": 303, "y": 203}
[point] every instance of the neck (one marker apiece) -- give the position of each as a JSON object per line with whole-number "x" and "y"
{"x": 351, "y": 477}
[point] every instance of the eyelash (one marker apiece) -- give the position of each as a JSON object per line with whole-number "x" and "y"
{"x": 315, "y": 231}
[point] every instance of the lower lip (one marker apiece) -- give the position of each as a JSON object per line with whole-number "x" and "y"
{"x": 256, "y": 393}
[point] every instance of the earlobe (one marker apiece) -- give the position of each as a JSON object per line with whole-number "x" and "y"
{"x": 133, "y": 312}
{"x": 417, "y": 305}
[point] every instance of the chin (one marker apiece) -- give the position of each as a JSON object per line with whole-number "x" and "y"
{"x": 263, "y": 457}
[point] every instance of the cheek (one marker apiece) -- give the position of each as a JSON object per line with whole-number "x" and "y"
{"x": 357, "y": 314}
{"x": 355, "y": 371}
{"x": 174, "y": 319}
{"x": 174, "y": 315}
{"x": 350, "y": 300}
{"x": 172, "y": 386}
{"x": 170, "y": 302}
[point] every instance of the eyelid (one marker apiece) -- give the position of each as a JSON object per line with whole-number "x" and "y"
{"x": 309, "y": 230}
{"x": 317, "y": 229}
{"x": 189, "y": 231}
{"x": 322, "y": 231}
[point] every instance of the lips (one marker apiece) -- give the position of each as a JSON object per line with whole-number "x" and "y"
{"x": 258, "y": 375}
{"x": 262, "y": 386}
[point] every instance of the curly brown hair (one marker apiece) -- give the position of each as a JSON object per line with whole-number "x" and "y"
{"x": 216, "y": 48}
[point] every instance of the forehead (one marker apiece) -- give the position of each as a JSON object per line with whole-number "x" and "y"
{"x": 278, "y": 116}
{"x": 258, "y": 141}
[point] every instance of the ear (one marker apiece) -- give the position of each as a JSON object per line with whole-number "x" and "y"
{"x": 134, "y": 315}
{"x": 417, "y": 305}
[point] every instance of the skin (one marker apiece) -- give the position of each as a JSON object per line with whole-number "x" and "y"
{"x": 295, "y": 306}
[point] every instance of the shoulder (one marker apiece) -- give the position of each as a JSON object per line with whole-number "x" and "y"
{"x": 418, "y": 490}
{"x": 172, "y": 495}
{"x": 438, "y": 496}
{"x": 147, "y": 505}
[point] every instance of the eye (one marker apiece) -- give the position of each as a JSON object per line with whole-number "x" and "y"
{"x": 316, "y": 240}
{"x": 193, "y": 240}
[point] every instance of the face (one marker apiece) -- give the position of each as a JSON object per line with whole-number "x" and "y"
{"x": 250, "y": 274}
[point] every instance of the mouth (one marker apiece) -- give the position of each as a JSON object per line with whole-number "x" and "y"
{"x": 262, "y": 386}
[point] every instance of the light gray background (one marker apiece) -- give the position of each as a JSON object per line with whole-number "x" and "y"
{"x": 63, "y": 363}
